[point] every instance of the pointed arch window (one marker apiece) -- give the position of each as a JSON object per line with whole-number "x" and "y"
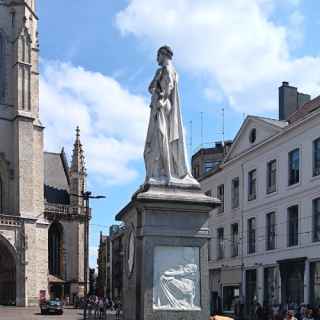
{"x": 2, "y": 67}
{"x": 55, "y": 244}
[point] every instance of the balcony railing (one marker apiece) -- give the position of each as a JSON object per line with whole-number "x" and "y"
{"x": 54, "y": 211}
{"x": 7, "y": 220}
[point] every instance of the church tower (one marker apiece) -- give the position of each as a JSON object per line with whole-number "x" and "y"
{"x": 19, "y": 107}
{"x": 21, "y": 152}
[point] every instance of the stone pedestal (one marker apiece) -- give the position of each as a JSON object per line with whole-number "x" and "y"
{"x": 166, "y": 254}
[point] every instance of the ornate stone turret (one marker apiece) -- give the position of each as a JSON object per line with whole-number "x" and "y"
{"x": 77, "y": 172}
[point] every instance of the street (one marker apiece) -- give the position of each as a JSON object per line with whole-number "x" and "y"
{"x": 33, "y": 313}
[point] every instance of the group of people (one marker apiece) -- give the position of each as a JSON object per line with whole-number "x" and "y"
{"x": 97, "y": 307}
{"x": 278, "y": 312}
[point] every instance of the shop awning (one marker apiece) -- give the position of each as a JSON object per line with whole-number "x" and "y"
{"x": 54, "y": 279}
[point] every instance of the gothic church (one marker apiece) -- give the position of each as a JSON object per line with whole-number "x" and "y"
{"x": 43, "y": 218}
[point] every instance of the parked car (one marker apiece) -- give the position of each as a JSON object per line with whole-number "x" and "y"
{"x": 52, "y": 306}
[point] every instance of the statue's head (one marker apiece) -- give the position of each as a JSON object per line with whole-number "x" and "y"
{"x": 165, "y": 53}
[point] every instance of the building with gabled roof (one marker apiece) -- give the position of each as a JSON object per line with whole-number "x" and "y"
{"x": 266, "y": 235}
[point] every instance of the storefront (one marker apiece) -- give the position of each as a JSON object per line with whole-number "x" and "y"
{"x": 315, "y": 283}
{"x": 230, "y": 296}
{"x": 230, "y": 280}
{"x": 251, "y": 292}
{"x": 292, "y": 281}
{"x": 215, "y": 291}
{"x": 271, "y": 284}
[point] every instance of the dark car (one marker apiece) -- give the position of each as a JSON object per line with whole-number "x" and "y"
{"x": 52, "y": 306}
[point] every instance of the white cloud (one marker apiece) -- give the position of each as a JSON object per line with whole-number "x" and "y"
{"x": 235, "y": 42}
{"x": 296, "y": 26}
{"x": 213, "y": 95}
{"x": 112, "y": 120}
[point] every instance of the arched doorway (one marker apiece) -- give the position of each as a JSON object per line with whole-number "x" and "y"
{"x": 56, "y": 265}
{"x": 7, "y": 273}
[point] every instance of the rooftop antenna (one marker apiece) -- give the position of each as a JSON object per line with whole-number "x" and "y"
{"x": 190, "y": 136}
{"x": 201, "y": 115}
{"x": 222, "y": 131}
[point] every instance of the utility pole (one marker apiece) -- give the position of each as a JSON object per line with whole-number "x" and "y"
{"x": 222, "y": 129}
{"x": 201, "y": 115}
{"x": 190, "y": 136}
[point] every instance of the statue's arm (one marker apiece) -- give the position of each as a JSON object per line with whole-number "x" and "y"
{"x": 168, "y": 82}
{"x": 154, "y": 83}
{"x": 174, "y": 272}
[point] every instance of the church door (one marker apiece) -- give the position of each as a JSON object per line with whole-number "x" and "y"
{"x": 7, "y": 273}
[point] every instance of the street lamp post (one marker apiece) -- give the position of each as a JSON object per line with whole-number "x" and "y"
{"x": 86, "y": 196}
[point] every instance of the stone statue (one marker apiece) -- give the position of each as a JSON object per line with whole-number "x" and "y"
{"x": 165, "y": 151}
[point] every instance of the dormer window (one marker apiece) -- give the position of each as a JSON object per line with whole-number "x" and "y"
{"x": 253, "y": 135}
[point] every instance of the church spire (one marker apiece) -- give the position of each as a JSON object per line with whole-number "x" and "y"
{"x": 77, "y": 164}
{"x": 77, "y": 172}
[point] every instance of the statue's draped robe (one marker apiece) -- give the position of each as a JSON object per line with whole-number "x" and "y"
{"x": 165, "y": 150}
{"x": 177, "y": 288}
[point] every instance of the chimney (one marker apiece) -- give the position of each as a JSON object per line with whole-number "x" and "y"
{"x": 227, "y": 146}
{"x": 218, "y": 145}
{"x": 290, "y": 100}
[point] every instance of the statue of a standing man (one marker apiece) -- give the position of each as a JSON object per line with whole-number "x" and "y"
{"x": 165, "y": 150}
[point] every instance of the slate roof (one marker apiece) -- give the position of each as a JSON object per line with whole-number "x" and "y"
{"x": 56, "y": 180}
{"x": 307, "y": 108}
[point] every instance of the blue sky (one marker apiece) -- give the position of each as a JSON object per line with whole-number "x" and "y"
{"x": 98, "y": 56}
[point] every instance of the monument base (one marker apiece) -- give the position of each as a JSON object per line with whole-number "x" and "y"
{"x": 166, "y": 253}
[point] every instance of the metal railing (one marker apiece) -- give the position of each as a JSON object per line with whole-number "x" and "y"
{"x": 60, "y": 210}
{"x": 8, "y": 220}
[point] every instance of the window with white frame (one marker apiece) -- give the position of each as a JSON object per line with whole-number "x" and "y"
{"x": 220, "y": 196}
{"x": 271, "y": 176}
{"x": 293, "y": 226}
{"x": 220, "y": 243}
{"x": 235, "y": 193}
{"x": 252, "y": 185}
{"x": 251, "y": 235}
{"x": 294, "y": 166}
{"x": 316, "y": 157}
{"x": 271, "y": 231}
{"x": 2, "y": 67}
{"x": 234, "y": 240}
{"x": 316, "y": 220}
{"x": 1, "y": 195}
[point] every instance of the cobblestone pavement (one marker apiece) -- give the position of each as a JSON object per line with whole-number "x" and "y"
{"x": 33, "y": 313}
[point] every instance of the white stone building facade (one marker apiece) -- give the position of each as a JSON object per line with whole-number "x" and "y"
{"x": 265, "y": 244}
